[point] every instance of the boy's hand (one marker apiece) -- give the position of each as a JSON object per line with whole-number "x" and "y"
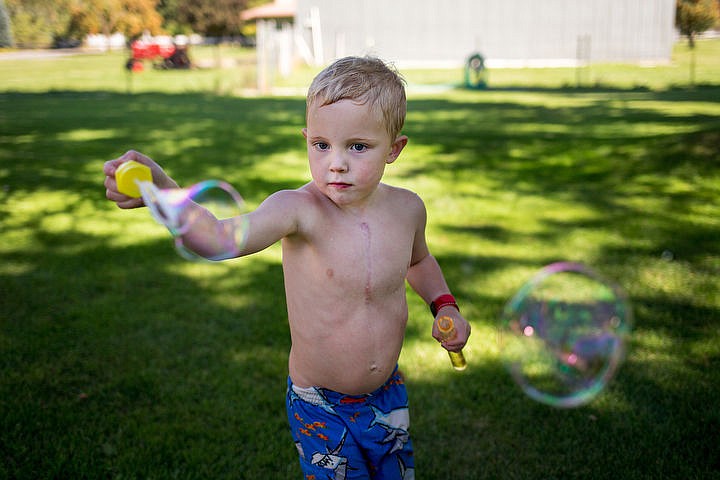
{"x": 160, "y": 178}
{"x": 461, "y": 326}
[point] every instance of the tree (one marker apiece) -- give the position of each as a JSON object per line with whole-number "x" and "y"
{"x": 37, "y": 23}
{"x": 215, "y": 18}
{"x": 130, "y": 17}
{"x": 6, "y": 38}
{"x": 696, "y": 16}
{"x": 168, "y": 10}
{"x": 693, "y": 17}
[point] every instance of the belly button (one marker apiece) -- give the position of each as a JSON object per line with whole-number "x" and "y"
{"x": 329, "y": 272}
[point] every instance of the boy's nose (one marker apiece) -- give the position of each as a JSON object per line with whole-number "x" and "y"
{"x": 338, "y": 163}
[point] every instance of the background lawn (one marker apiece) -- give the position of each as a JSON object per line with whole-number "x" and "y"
{"x": 118, "y": 359}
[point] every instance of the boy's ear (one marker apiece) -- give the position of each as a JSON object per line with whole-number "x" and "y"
{"x": 397, "y": 147}
{"x": 304, "y": 130}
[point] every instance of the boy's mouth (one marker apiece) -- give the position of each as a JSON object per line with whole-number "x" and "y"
{"x": 339, "y": 185}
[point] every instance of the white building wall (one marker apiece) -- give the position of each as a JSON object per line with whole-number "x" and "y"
{"x": 522, "y": 32}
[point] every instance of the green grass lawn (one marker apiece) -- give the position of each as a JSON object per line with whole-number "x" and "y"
{"x": 119, "y": 359}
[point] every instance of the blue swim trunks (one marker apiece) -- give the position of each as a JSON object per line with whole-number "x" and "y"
{"x": 352, "y": 436}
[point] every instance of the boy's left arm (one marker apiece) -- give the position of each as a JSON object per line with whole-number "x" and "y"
{"x": 426, "y": 278}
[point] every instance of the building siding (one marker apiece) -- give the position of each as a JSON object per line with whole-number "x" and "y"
{"x": 522, "y": 32}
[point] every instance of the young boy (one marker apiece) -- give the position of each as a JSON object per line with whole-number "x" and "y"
{"x": 349, "y": 242}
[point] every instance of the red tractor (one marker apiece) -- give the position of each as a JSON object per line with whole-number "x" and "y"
{"x": 163, "y": 55}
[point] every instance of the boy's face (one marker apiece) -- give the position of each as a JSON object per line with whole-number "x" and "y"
{"x": 348, "y": 148}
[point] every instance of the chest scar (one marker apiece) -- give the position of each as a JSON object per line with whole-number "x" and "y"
{"x": 367, "y": 244}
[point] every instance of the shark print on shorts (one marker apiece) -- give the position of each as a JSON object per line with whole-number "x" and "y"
{"x": 343, "y": 437}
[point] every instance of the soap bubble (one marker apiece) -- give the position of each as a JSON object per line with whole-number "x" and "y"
{"x": 205, "y": 219}
{"x": 562, "y": 336}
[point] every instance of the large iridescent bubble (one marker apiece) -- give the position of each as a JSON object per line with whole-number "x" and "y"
{"x": 562, "y": 336}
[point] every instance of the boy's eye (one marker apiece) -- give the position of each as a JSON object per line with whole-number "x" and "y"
{"x": 358, "y": 147}
{"x": 321, "y": 146}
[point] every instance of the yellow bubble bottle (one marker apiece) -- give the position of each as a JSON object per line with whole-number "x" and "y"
{"x": 129, "y": 174}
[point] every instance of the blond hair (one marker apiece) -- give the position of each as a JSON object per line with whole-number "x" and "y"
{"x": 365, "y": 80}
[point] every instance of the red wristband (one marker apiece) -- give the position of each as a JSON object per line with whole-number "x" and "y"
{"x": 443, "y": 301}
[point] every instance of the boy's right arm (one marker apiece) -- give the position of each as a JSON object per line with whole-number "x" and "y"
{"x": 276, "y": 217}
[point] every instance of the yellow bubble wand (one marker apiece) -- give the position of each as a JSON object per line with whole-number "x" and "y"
{"x": 446, "y": 326}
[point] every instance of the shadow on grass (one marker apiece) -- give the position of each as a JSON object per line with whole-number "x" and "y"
{"x": 117, "y": 363}
{"x": 121, "y": 360}
{"x": 640, "y": 426}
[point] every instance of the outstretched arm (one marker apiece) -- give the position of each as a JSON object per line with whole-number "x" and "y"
{"x": 275, "y": 218}
{"x": 207, "y": 236}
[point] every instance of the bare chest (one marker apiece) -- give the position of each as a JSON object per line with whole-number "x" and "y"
{"x": 363, "y": 260}
{"x": 372, "y": 260}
